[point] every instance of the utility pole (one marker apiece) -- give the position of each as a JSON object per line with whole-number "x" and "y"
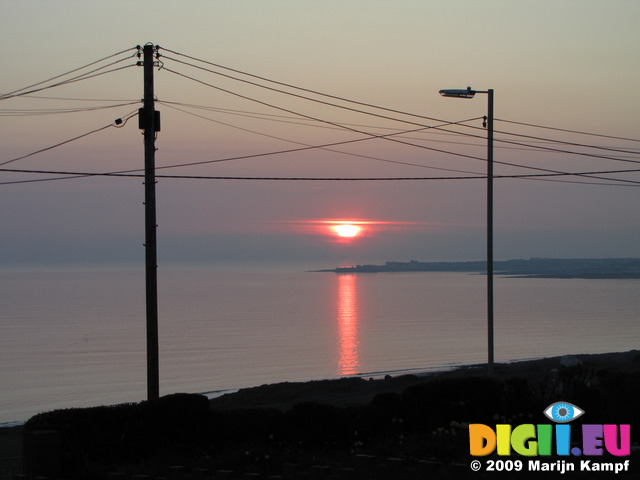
{"x": 149, "y": 121}
{"x": 490, "y": 360}
{"x": 470, "y": 93}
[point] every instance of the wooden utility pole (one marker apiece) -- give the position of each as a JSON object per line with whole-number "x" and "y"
{"x": 150, "y": 122}
{"x": 490, "y": 360}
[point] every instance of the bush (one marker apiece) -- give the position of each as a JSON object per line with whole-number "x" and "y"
{"x": 171, "y": 428}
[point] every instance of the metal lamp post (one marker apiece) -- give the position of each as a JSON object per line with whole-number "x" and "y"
{"x": 469, "y": 93}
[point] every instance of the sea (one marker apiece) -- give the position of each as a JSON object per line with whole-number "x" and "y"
{"x": 75, "y": 336}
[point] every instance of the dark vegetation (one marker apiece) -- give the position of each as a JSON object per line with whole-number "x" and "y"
{"x": 418, "y": 422}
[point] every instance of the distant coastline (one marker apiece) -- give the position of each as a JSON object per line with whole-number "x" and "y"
{"x": 588, "y": 268}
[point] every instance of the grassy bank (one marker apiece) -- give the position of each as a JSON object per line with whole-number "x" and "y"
{"x": 410, "y": 423}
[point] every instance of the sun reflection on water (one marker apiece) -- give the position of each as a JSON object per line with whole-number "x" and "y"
{"x": 348, "y": 362}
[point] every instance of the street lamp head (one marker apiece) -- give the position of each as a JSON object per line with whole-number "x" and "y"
{"x": 458, "y": 93}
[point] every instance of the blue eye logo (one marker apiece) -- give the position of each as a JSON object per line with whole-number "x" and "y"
{"x": 563, "y": 412}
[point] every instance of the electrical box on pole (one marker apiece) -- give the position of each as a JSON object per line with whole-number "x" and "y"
{"x": 143, "y": 121}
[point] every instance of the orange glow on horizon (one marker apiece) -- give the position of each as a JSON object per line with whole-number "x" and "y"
{"x": 351, "y": 230}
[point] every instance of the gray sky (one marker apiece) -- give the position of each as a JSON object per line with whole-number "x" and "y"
{"x": 564, "y": 64}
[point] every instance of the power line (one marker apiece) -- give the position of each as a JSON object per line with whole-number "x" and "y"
{"x": 324, "y": 121}
{"x": 122, "y": 122}
{"x": 387, "y": 160}
{"x": 78, "y": 78}
{"x": 386, "y": 137}
{"x": 553, "y": 141}
{"x": 342, "y": 126}
{"x": 302, "y": 96}
{"x": 72, "y": 174}
{"x": 397, "y": 162}
{"x": 334, "y": 124}
{"x": 304, "y": 148}
{"x": 391, "y": 139}
{"x": 75, "y": 99}
{"x": 289, "y": 119}
{"x": 566, "y": 130}
{"x": 561, "y": 142}
{"x": 558, "y": 150}
{"x": 298, "y": 150}
{"x": 382, "y": 108}
{"x": 26, "y": 112}
{"x": 376, "y": 106}
{"x": 294, "y": 120}
{"x": 278, "y": 152}
{"x": 11, "y": 94}
{"x": 631, "y": 151}
{"x": 382, "y": 116}
{"x": 539, "y": 147}
{"x": 334, "y": 97}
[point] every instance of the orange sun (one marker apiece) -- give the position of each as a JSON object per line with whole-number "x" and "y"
{"x": 347, "y": 230}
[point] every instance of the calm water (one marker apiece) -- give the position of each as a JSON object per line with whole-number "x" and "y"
{"x": 77, "y": 337}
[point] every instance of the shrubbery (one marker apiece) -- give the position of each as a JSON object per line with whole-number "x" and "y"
{"x": 427, "y": 420}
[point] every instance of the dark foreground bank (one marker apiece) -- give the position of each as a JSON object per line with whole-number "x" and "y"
{"x": 406, "y": 427}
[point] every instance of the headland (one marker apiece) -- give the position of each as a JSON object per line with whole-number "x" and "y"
{"x": 589, "y": 268}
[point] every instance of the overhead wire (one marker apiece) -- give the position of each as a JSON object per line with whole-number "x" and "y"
{"x": 554, "y": 150}
{"x": 85, "y": 76}
{"x": 381, "y": 159}
{"x": 337, "y": 125}
{"x": 558, "y": 150}
{"x": 589, "y": 174}
{"x": 304, "y": 148}
{"x": 566, "y": 130}
{"x": 381, "y": 116}
{"x": 6, "y": 95}
{"x": 72, "y": 174}
{"x": 294, "y": 87}
{"x": 561, "y": 142}
{"x": 540, "y": 147}
{"x": 370, "y": 157}
{"x": 290, "y": 119}
{"x": 86, "y": 134}
{"x": 293, "y": 120}
{"x": 75, "y": 99}
{"x": 385, "y": 137}
{"x": 130, "y": 172}
{"x": 56, "y": 111}
{"x": 344, "y": 127}
{"x": 310, "y": 99}
{"x": 309, "y": 147}
{"x": 531, "y": 140}
{"x": 369, "y": 105}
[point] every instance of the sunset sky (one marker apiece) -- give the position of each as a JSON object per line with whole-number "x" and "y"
{"x": 570, "y": 65}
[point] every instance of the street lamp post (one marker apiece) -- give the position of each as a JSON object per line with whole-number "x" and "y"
{"x": 469, "y": 93}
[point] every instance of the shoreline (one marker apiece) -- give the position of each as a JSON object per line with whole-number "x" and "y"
{"x": 341, "y": 391}
{"x": 361, "y": 389}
